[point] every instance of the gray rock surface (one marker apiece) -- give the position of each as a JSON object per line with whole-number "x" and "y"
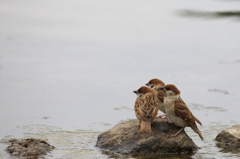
{"x": 28, "y": 147}
{"x": 229, "y": 139}
{"x": 125, "y": 139}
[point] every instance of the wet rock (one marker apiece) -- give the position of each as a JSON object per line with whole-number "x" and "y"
{"x": 28, "y": 147}
{"x": 229, "y": 139}
{"x": 125, "y": 139}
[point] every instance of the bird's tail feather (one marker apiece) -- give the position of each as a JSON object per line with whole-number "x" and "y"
{"x": 196, "y": 130}
{"x": 198, "y": 121}
{"x": 145, "y": 127}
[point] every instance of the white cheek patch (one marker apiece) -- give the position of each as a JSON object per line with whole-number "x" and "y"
{"x": 170, "y": 93}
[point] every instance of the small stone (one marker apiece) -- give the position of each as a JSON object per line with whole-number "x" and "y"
{"x": 28, "y": 147}
{"x": 229, "y": 139}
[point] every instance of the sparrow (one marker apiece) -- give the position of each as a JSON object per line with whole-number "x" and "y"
{"x": 155, "y": 84}
{"x": 145, "y": 108}
{"x": 177, "y": 110}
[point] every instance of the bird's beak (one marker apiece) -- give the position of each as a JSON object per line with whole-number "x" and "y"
{"x": 147, "y": 84}
{"x": 135, "y": 92}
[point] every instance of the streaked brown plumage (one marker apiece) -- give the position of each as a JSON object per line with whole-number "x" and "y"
{"x": 155, "y": 84}
{"x": 145, "y": 108}
{"x": 177, "y": 110}
{"x": 176, "y": 91}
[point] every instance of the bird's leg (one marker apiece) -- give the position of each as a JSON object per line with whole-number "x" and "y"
{"x": 177, "y": 133}
{"x": 161, "y": 116}
{"x": 139, "y": 125}
{"x": 169, "y": 122}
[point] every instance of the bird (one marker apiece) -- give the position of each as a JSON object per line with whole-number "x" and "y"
{"x": 145, "y": 108}
{"x": 177, "y": 110}
{"x": 155, "y": 84}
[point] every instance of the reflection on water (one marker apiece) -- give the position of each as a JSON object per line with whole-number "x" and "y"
{"x": 220, "y": 91}
{"x": 200, "y": 107}
{"x": 210, "y": 15}
{"x": 200, "y": 13}
{"x": 229, "y": 148}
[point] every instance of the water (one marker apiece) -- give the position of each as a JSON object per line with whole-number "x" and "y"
{"x": 68, "y": 69}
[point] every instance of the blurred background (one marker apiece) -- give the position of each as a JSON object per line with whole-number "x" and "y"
{"x": 75, "y": 64}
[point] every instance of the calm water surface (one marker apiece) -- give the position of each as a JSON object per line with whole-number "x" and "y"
{"x": 68, "y": 69}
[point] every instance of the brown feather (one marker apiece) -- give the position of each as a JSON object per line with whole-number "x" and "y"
{"x": 144, "y": 90}
{"x": 182, "y": 111}
{"x": 145, "y": 127}
{"x": 178, "y": 111}
{"x": 156, "y": 81}
{"x": 196, "y": 130}
{"x": 160, "y": 95}
{"x": 181, "y": 101}
{"x": 197, "y": 120}
{"x": 173, "y": 88}
{"x": 146, "y": 110}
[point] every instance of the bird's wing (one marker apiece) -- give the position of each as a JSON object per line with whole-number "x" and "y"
{"x": 145, "y": 108}
{"x": 196, "y": 119}
{"x": 182, "y": 111}
{"x": 138, "y": 110}
{"x": 160, "y": 95}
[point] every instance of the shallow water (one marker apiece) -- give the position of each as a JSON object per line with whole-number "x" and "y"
{"x": 68, "y": 69}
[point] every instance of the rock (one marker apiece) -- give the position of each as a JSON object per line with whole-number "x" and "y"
{"x": 229, "y": 139}
{"x": 125, "y": 139}
{"x": 28, "y": 147}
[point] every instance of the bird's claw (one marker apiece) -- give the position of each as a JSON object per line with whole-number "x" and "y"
{"x": 169, "y": 122}
{"x": 162, "y": 116}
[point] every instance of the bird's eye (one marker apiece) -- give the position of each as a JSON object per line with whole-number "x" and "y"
{"x": 167, "y": 89}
